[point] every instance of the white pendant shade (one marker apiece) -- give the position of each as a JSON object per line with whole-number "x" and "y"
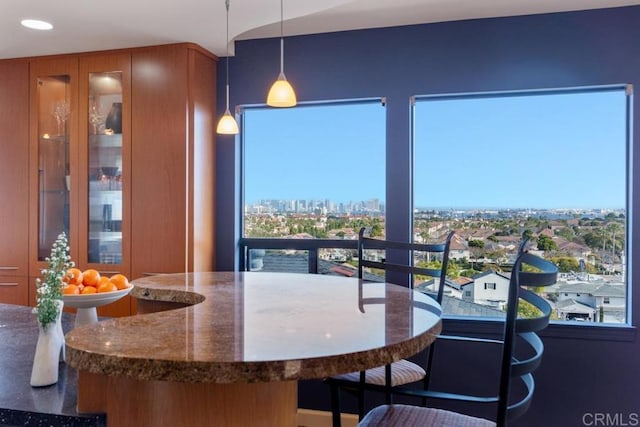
{"x": 227, "y": 124}
{"x": 281, "y": 93}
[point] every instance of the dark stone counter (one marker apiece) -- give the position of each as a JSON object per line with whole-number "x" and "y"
{"x": 21, "y": 404}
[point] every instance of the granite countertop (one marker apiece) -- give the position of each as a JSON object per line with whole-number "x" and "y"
{"x": 257, "y": 327}
{"x": 21, "y": 404}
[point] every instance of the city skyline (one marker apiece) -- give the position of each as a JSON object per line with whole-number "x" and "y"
{"x": 307, "y": 205}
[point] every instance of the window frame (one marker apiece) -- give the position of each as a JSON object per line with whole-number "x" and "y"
{"x": 312, "y": 246}
{"x": 241, "y": 110}
{"x": 607, "y": 331}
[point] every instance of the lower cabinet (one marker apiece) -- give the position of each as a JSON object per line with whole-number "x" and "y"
{"x": 14, "y": 290}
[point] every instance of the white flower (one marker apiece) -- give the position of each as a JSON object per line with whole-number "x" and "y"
{"x": 49, "y": 288}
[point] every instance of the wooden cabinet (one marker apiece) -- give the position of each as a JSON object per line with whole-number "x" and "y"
{"x": 14, "y": 176}
{"x": 120, "y": 156}
{"x": 14, "y": 290}
{"x": 173, "y": 160}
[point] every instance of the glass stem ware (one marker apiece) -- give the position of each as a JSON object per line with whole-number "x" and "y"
{"x": 96, "y": 118}
{"x": 61, "y": 111}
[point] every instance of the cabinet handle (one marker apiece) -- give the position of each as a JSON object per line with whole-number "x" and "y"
{"x": 8, "y": 284}
{"x": 110, "y": 272}
{"x": 152, "y": 274}
{"x": 8, "y": 268}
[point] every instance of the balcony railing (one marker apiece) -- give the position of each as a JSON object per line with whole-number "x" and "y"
{"x": 312, "y": 246}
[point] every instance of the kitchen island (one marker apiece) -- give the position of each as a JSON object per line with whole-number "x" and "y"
{"x": 232, "y": 349}
{"x": 21, "y": 404}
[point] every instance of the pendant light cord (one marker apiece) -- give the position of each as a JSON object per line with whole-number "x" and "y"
{"x": 227, "y": 6}
{"x": 281, "y": 37}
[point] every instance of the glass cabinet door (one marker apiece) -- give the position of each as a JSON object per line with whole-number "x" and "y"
{"x": 53, "y": 129}
{"x": 105, "y": 154}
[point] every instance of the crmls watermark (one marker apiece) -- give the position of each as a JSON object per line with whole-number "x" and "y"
{"x": 609, "y": 419}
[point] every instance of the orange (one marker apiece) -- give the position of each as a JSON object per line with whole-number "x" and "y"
{"x": 90, "y": 277}
{"x": 107, "y": 286}
{"x": 71, "y": 290}
{"x": 120, "y": 280}
{"x": 89, "y": 290}
{"x": 73, "y": 276}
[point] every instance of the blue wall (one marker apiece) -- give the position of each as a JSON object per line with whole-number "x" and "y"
{"x": 541, "y": 51}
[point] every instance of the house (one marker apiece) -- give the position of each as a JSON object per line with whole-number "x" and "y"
{"x": 595, "y": 301}
{"x": 488, "y": 288}
{"x": 576, "y": 250}
{"x": 459, "y": 249}
{"x": 452, "y": 288}
{"x": 481, "y": 234}
{"x": 570, "y": 309}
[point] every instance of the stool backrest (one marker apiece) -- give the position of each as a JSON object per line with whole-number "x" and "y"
{"x": 441, "y": 250}
{"x": 523, "y": 331}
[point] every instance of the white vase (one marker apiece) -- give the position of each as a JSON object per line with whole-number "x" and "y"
{"x": 49, "y": 352}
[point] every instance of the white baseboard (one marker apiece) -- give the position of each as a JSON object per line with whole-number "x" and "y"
{"x": 312, "y": 418}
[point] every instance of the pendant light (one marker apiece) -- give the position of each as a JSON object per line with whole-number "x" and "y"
{"x": 227, "y": 124}
{"x": 281, "y": 93}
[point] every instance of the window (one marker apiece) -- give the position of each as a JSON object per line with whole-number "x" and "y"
{"x": 315, "y": 171}
{"x": 467, "y": 293}
{"x": 549, "y": 164}
{"x": 490, "y": 286}
{"x": 606, "y": 300}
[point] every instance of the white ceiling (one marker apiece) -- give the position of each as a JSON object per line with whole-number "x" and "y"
{"x": 85, "y": 25}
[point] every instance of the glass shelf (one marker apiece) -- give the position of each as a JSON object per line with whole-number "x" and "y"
{"x": 65, "y": 192}
{"x": 106, "y": 141}
{"x": 54, "y": 138}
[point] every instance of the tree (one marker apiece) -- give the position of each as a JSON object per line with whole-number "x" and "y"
{"x": 615, "y": 230}
{"x": 565, "y": 232}
{"x": 545, "y": 243}
{"x": 469, "y": 272}
{"x": 476, "y": 253}
{"x": 453, "y": 269}
{"x": 593, "y": 239}
{"x": 376, "y": 230}
{"x": 475, "y": 243}
{"x": 527, "y": 310}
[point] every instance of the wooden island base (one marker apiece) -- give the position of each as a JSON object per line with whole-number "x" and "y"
{"x": 162, "y": 403}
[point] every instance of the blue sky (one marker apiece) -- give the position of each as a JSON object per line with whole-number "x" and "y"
{"x": 542, "y": 151}
{"x": 538, "y": 151}
{"x": 315, "y": 152}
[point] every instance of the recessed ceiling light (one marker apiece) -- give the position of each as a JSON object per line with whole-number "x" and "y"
{"x": 36, "y": 24}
